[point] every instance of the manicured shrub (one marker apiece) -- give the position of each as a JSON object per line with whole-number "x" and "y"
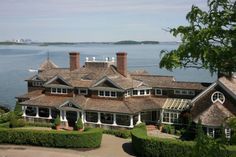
{"x": 38, "y": 124}
{"x": 56, "y": 122}
{"x": 66, "y": 139}
{"x": 159, "y": 147}
{"x": 118, "y": 133}
{"x": 79, "y": 124}
{"x": 14, "y": 122}
{"x": 169, "y": 129}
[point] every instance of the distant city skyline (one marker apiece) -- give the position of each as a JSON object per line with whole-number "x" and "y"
{"x": 92, "y": 20}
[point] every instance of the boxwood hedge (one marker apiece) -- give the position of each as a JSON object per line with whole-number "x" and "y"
{"x": 159, "y": 147}
{"x": 91, "y": 138}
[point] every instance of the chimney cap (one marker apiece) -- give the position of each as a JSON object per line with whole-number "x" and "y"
{"x": 74, "y": 53}
{"x": 121, "y": 53}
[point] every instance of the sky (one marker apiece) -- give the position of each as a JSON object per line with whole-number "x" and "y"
{"x": 92, "y": 20}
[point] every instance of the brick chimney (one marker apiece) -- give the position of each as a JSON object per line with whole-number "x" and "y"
{"x": 74, "y": 60}
{"x": 121, "y": 63}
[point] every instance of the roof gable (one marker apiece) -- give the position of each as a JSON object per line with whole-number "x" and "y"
{"x": 57, "y": 80}
{"x": 35, "y": 78}
{"x": 106, "y": 82}
{"x": 70, "y": 104}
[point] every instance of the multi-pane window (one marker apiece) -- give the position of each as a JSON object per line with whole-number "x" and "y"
{"x": 59, "y": 90}
{"x": 218, "y": 96}
{"x": 135, "y": 92}
{"x": 184, "y": 92}
{"x": 166, "y": 117}
{"x": 170, "y": 117}
{"x": 158, "y": 91}
{"x": 141, "y": 92}
{"x": 37, "y": 83}
{"x": 111, "y": 94}
{"x": 127, "y": 93}
{"x": 83, "y": 91}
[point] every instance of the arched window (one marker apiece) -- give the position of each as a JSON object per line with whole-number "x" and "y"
{"x": 218, "y": 96}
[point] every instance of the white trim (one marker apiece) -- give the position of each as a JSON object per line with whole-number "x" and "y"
{"x": 85, "y": 89}
{"x": 218, "y": 99}
{"x": 204, "y": 92}
{"x": 59, "y": 92}
{"x": 105, "y": 78}
{"x": 57, "y": 77}
{"x": 226, "y": 89}
{"x": 138, "y": 92}
{"x": 104, "y": 94}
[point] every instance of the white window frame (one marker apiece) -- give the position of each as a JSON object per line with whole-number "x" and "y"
{"x": 211, "y": 133}
{"x": 156, "y": 91}
{"x": 138, "y": 92}
{"x": 104, "y": 94}
{"x": 80, "y": 89}
{"x": 127, "y": 93}
{"x": 52, "y": 92}
{"x": 228, "y": 133}
{"x": 218, "y": 99}
{"x": 171, "y": 119}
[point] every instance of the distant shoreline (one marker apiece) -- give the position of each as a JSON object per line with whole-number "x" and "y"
{"x": 123, "y": 42}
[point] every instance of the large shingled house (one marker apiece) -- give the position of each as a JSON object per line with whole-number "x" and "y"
{"x": 104, "y": 93}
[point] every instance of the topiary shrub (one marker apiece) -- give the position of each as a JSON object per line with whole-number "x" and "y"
{"x": 79, "y": 125}
{"x": 56, "y": 123}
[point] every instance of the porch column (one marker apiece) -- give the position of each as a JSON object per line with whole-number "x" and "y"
{"x": 99, "y": 118}
{"x": 61, "y": 115}
{"x": 50, "y": 113}
{"x": 139, "y": 118}
{"x": 83, "y": 117}
{"x": 37, "y": 112}
{"x": 65, "y": 119}
{"x": 161, "y": 115}
{"x": 23, "y": 109}
{"x": 131, "y": 121}
{"x": 114, "y": 119}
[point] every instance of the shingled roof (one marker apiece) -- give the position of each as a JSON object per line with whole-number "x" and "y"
{"x": 47, "y": 64}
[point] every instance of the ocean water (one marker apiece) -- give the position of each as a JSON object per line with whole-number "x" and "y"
{"x": 15, "y": 60}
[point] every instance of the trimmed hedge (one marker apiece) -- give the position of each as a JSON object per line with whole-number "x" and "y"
{"x": 38, "y": 124}
{"x": 159, "y": 147}
{"x": 65, "y": 139}
{"x": 118, "y": 133}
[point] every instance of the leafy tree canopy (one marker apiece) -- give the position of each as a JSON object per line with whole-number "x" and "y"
{"x": 209, "y": 41}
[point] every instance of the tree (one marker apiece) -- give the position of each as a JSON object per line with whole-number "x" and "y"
{"x": 206, "y": 146}
{"x": 209, "y": 41}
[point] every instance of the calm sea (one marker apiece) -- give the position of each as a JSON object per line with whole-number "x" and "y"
{"x": 16, "y": 60}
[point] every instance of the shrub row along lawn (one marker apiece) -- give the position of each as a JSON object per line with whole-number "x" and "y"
{"x": 90, "y": 138}
{"x": 159, "y": 147}
{"x": 118, "y": 133}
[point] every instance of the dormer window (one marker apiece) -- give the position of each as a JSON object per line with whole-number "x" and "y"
{"x": 141, "y": 92}
{"x": 158, "y": 91}
{"x": 83, "y": 91}
{"x": 127, "y": 93}
{"x": 59, "y": 91}
{"x": 37, "y": 83}
{"x": 218, "y": 96}
{"x": 111, "y": 94}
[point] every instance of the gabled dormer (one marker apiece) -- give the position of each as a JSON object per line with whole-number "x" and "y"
{"x": 35, "y": 83}
{"x": 58, "y": 86}
{"x": 105, "y": 87}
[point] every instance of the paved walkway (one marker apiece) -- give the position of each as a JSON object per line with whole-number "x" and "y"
{"x": 111, "y": 147}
